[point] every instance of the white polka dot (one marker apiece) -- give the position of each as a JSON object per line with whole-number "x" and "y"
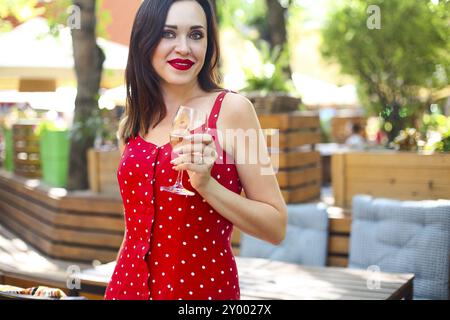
{"x": 212, "y": 279}
{"x": 181, "y": 280}
{"x": 137, "y": 165}
{"x": 193, "y": 274}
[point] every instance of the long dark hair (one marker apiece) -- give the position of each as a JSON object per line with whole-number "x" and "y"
{"x": 145, "y": 102}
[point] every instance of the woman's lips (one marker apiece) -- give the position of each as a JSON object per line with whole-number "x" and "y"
{"x": 181, "y": 64}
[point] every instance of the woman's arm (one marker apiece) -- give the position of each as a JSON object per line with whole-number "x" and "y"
{"x": 263, "y": 213}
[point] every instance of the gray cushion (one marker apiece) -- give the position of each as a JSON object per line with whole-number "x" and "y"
{"x": 305, "y": 242}
{"x": 403, "y": 237}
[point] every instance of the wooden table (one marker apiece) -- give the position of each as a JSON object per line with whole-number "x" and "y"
{"x": 265, "y": 279}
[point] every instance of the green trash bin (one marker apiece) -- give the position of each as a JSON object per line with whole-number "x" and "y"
{"x": 9, "y": 150}
{"x": 54, "y": 147}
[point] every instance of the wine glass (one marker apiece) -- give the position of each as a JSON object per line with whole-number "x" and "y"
{"x": 186, "y": 120}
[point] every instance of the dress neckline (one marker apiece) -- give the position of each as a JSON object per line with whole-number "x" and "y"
{"x": 168, "y": 143}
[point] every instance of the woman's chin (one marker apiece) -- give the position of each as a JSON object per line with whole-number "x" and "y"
{"x": 179, "y": 80}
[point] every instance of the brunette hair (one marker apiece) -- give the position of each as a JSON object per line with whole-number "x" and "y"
{"x": 145, "y": 102}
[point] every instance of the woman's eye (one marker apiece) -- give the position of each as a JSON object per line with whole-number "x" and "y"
{"x": 168, "y": 34}
{"x": 196, "y": 35}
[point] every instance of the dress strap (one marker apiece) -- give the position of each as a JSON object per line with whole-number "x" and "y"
{"x": 212, "y": 120}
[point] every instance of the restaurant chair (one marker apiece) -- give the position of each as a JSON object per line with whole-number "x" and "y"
{"x": 403, "y": 237}
{"x": 305, "y": 242}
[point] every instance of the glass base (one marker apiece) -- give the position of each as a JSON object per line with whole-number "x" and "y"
{"x": 178, "y": 190}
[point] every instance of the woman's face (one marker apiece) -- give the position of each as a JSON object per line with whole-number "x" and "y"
{"x": 179, "y": 57}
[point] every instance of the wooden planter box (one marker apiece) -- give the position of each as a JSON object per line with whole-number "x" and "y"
{"x": 299, "y": 169}
{"x": 397, "y": 175}
{"x": 273, "y": 102}
{"x": 102, "y": 171}
{"x": 77, "y": 226}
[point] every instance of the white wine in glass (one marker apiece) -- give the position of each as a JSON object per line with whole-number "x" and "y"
{"x": 186, "y": 121}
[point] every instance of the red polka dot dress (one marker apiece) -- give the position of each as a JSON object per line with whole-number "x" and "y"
{"x": 175, "y": 247}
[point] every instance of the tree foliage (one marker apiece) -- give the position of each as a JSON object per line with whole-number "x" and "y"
{"x": 397, "y": 66}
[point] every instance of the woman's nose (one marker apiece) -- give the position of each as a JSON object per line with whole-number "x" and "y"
{"x": 182, "y": 46}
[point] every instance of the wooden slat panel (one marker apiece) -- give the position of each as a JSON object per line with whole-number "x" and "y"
{"x": 79, "y": 201}
{"x": 338, "y": 178}
{"x": 398, "y": 174}
{"x": 286, "y": 121}
{"x": 293, "y": 178}
{"x": 398, "y": 159}
{"x": 109, "y": 223}
{"x": 337, "y": 261}
{"x": 338, "y": 244}
{"x": 53, "y": 234}
{"x": 298, "y": 159}
{"x": 340, "y": 225}
{"x": 403, "y": 191}
{"x": 301, "y": 194}
{"x": 294, "y": 139}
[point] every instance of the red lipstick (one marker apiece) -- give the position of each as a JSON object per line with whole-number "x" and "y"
{"x": 181, "y": 64}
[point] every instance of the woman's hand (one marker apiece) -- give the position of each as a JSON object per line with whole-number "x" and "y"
{"x": 196, "y": 156}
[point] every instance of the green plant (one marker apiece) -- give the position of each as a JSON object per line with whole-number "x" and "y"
{"x": 399, "y": 65}
{"x": 407, "y": 140}
{"x": 269, "y": 76}
{"x": 444, "y": 144}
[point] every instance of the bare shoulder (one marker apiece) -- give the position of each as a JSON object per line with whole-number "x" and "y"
{"x": 238, "y": 112}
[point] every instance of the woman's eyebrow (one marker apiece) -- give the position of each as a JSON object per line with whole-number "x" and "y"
{"x": 192, "y": 28}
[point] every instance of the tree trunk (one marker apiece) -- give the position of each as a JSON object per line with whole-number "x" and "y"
{"x": 88, "y": 59}
{"x": 276, "y": 21}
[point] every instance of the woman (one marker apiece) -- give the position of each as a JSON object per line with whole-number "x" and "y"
{"x": 178, "y": 247}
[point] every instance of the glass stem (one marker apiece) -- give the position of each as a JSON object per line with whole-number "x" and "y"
{"x": 179, "y": 182}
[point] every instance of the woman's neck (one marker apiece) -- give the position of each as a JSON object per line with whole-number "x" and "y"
{"x": 176, "y": 95}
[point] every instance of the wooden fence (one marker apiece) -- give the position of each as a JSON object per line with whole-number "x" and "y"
{"x": 397, "y": 175}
